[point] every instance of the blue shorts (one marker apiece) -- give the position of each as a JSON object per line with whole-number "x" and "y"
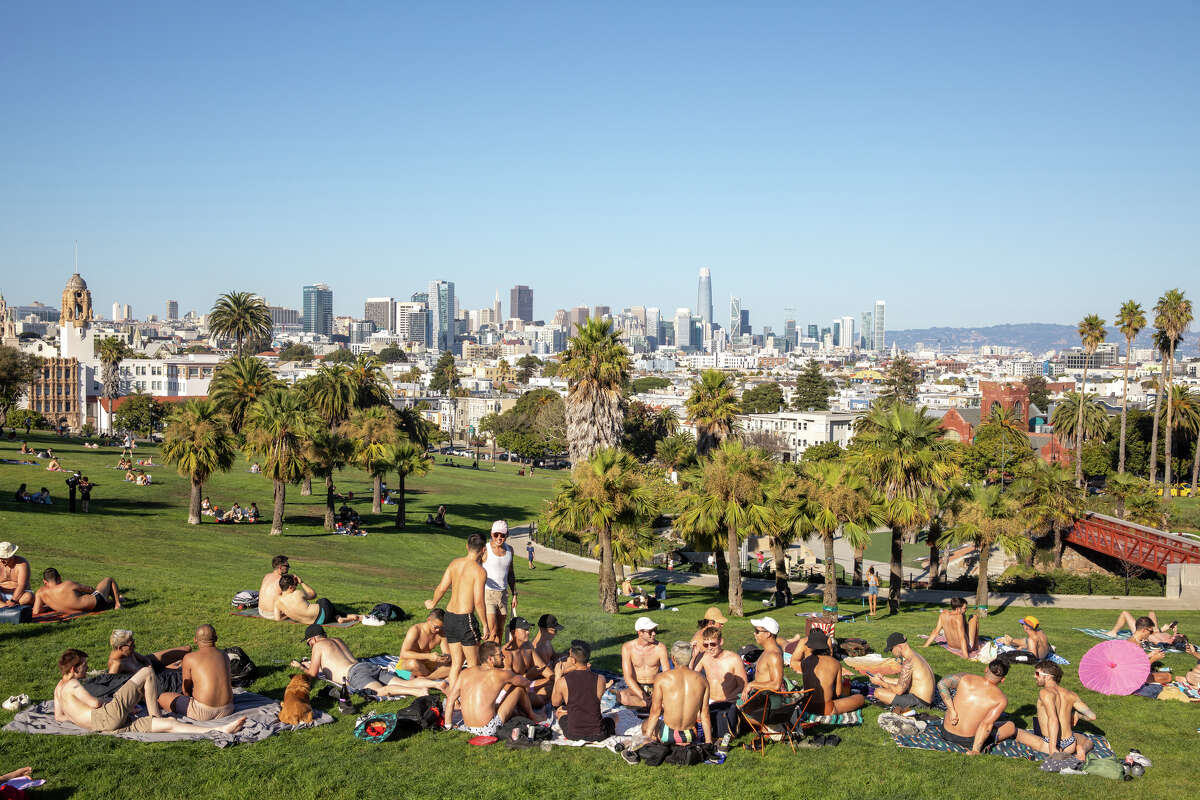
{"x": 873, "y": 591}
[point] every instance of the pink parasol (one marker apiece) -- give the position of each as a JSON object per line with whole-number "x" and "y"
{"x": 1115, "y": 667}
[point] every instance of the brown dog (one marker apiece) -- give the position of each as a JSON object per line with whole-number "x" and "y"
{"x": 296, "y": 707}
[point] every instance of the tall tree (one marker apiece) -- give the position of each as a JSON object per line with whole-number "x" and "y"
{"x": 1173, "y": 316}
{"x": 373, "y": 430}
{"x": 677, "y": 451}
{"x": 527, "y": 365}
{"x": 604, "y": 494}
{"x": 111, "y": 351}
{"x": 1186, "y": 405}
{"x": 765, "y": 398}
{"x": 405, "y": 458}
{"x": 731, "y": 497}
{"x": 901, "y": 451}
{"x": 1039, "y": 392}
{"x": 199, "y": 443}
{"x": 1048, "y": 502}
{"x": 244, "y": 316}
{"x": 596, "y": 365}
{"x": 277, "y": 427}
{"x": 1076, "y": 420}
{"x": 237, "y": 384}
{"x": 1131, "y": 319}
{"x": 989, "y": 520}
{"x": 331, "y": 393}
{"x": 445, "y": 374}
{"x": 1091, "y": 334}
{"x": 371, "y": 384}
{"x": 327, "y": 452}
{"x": 713, "y": 409}
{"x": 901, "y": 382}
{"x": 1006, "y": 430}
{"x": 17, "y": 371}
{"x": 1163, "y": 344}
{"x": 812, "y": 389}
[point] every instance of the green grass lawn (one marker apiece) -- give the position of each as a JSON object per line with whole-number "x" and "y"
{"x": 178, "y": 576}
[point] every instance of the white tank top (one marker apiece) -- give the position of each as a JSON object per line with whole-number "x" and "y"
{"x": 497, "y": 567}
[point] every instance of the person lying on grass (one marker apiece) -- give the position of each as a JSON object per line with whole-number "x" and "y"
{"x": 73, "y": 703}
{"x": 292, "y": 604}
{"x": 123, "y": 659}
{"x": 69, "y": 597}
{"x": 489, "y": 695}
{"x": 268, "y": 590}
{"x": 332, "y": 660}
{"x": 1146, "y": 631}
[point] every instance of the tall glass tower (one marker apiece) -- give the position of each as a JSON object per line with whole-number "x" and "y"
{"x": 439, "y": 333}
{"x": 318, "y": 309}
{"x": 735, "y": 317}
{"x": 878, "y": 344}
{"x": 704, "y": 296}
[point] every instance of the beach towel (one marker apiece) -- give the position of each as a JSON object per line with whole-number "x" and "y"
{"x": 253, "y": 613}
{"x": 929, "y": 739}
{"x": 1178, "y": 690}
{"x": 940, "y": 641}
{"x": 873, "y": 664}
{"x": 1096, "y": 633}
{"x": 62, "y": 616}
{"x": 262, "y": 721}
{"x": 626, "y": 720}
{"x": 849, "y": 718}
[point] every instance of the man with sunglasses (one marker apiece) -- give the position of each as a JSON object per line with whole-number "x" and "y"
{"x": 1058, "y": 710}
{"x": 498, "y": 564}
{"x": 726, "y": 676}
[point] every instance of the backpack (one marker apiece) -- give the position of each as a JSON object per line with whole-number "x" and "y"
{"x": 241, "y": 668}
{"x": 689, "y": 755}
{"x": 422, "y": 714}
{"x": 653, "y": 753}
{"x": 517, "y": 730}
{"x": 389, "y": 613}
{"x": 1112, "y": 767}
{"x": 375, "y": 727}
{"x": 247, "y": 598}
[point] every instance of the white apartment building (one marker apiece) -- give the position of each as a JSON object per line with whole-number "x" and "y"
{"x": 799, "y": 430}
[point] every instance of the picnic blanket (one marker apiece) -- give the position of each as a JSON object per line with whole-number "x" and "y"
{"x": 929, "y": 739}
{"x": 626, "y": 720}
{"x": 1096, "y": 633}
{"x": 262, "y": 720}
{"x": 849, "y": 718}
{"x": 1178, "y": 690}
{"x": 253, "y": 613}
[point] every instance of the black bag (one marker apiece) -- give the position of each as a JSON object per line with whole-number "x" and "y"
{"x": 689, "y": 755}
{"x": 422, "y": 714}
{"x": 520, "y": 725}
{"x": 653, "y": 753}
{"x": 241, "y": 668}
{"x": 389, "y": 613}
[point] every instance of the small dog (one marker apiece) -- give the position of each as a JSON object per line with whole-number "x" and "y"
{"x": 296, "y": 708}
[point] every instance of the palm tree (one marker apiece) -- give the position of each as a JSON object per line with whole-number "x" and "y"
{"x": 277, "y": 427}
{"x": 838, "y": 499}
{"x": 730, "y": 497}
{"x": 713, "y": 409}
{"x": 237, "y": 384}
{"x": 677, "y": 451}
{"x": 901, "y": 451}
{"x": 1128, "y": 492}
{"x": 1187, "y": 419}
{"x": 242, "y": 315}
{"x": 373, "y": 430}
{"x": 605, "y": 494}
{"x": 327, "y": 452}
{"x": 1013, "y": 436}
{"x": 1163, "y": 344}
{"x": 198, "y": 442}
{"x": 1173, "y": 316}
{"x": 1131, "y": 319}
{"x": 596, "y": 365}
{"x": 111, "y": 351}
{"x": 989, "y": 520}
{"x": 413, "y": 425}
{"x": 331, "y": 393}
{"x": 944, "y": 507}
{"x": 1070, "y": 413}
{"x": 667, "y": 421}
{"x": 1048, "y": 501}
{"x": 405, "y": 458}
{"x": 630, "y": 547}
{"x": 1091, "y": 334}
{"x": 371, "y": 384}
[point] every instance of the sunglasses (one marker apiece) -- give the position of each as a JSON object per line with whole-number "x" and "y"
{"x": 712, "y": 644}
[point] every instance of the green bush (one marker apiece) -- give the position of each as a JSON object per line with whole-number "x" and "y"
{"x": 1025, "y": 579}
{"x": 18, "y": 416}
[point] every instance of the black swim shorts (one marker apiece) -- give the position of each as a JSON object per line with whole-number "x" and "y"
{"x": 461, "y": 629}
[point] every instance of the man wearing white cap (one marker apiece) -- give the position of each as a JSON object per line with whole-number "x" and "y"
{"x": 768, "y": 670}
{"x": 498, "y": 564}
{"x": 14, "y": 577}
{"x": 642, "y": 659}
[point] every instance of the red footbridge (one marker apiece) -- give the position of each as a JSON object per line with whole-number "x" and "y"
{"x": 1147, "y": 547}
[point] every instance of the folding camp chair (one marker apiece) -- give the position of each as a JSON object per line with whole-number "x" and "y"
{"x": 773, "y": 715}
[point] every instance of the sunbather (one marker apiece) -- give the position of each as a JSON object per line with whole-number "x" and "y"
{"x": 332, "y": 660}
{"x": 768, "y": 670}
{"x": 123, "y": 658}
{"x": 488, "y": 694}
{"x": 678, "y": 700}
{"x": 726, "y": 676}
{"x": 416, "y": 653}
{"x": 914, "y": 686}
{"x": 268, "y": 590}
{"x": 823, "y": 675}
{"x": 1149, "y": 628}
{"x": 974, "y": 709}
{"x": 642, "y": 660}
{"x": 961, "y": 633}
{"x": 519, "y": 657}
{"x": 14, "y": 577}
{"x": 1031, "y": 648}
{"x": 1058, "y": 709}
{"x": 207, "y": 681}
{"x": 292, "y": 604}
{"x": 69, "y": 597}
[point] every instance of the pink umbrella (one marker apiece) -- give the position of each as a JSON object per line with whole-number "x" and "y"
{"x": 1115, "y": 667}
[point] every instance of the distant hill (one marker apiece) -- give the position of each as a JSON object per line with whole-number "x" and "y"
{"x": 1036, "y": 337}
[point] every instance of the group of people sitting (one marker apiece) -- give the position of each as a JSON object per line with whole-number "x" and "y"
{"x": 235, "y": 513}
{"x": 283, "y": 595}
{"x": 23, "y": 495}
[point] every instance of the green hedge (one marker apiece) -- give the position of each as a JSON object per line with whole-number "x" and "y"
{"x": 1057, "y": 581}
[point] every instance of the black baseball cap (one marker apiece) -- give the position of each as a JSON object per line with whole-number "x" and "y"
{"x": 549, "y": 621}
{"x": 518, "y": 622}
{"x": 817, "y": 640}
{"x": 313, "y": 630}
{"x": 893, "y": 640}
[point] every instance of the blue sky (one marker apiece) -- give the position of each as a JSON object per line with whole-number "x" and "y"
{"x": 969, "y": 163}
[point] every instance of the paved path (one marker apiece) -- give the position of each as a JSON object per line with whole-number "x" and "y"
{"x": 557, "y": 558}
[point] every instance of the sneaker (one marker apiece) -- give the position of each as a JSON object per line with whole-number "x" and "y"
{"x": 897, "y": 725}
{"x": 374, "y": 622}
{"x": 11, "y": 704}
{"x": 1136, "y": 757}
{"x": 630, "y": 757}
{"x": 1071, "y": 771}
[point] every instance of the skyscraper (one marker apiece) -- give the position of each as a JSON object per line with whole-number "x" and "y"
{"x": 746, "y": 329}
{"x": 172, "y": 309}
{"x": 866, "y": 331}
{"x": 381, "y": 311}
{"x": 814, "y": 332}
{"x": 735, "y": 317}
{"x": 317, "y": 308}
{"x": 520, "y": 303}
{"x": 654, "y": 325}
{"x": 577, "y": 316}
{"x": 848, "y": 339}
{"x": 704, "y": 296}
{"x": 439, "y": 331}
{"x": 837, "y": 333}
{"x": 498, "y": 312}
{"x": 599, "y": 312}
{"x": 412, "y": 322}
{"x": 878, "y": 345}
{"x": 683, "y": 327}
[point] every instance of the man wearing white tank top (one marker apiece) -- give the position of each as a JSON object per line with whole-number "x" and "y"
{"x": 498, "y": 564}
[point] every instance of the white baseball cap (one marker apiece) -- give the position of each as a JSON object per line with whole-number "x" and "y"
{"x": 499, "y": 526}
{"x": 7, "y": 549}
{"x": 646, "y": 624}
{"x": 767, "y": 624}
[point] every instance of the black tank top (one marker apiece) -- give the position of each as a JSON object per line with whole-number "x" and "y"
{"x": 583, "y": 707}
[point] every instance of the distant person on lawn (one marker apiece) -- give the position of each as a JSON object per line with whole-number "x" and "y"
{"x": 268, "y": 592}
{"x": 292, "y": 604}
{"x": 332, "y": 660}
{"x": 14, "y": 577}
{"x": 69, "y": 597}
{"x": 489, "y": 695}
{"x": 465, "y": 579}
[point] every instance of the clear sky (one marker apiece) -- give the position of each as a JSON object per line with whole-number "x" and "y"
{"x": 971, "y": 163}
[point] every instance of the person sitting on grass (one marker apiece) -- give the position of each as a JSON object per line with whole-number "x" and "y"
{"x": 252, "y": 514}
{"x": 26, "y": 450}
{"x": 678, "y": 701}
{"x": 69, "y": 597}
{"x": 42, "y": 498}
{"x": 1031, "y": 648}
{"x": 914, "y": 686}
{"x": 124, "y": 659}
{"x": 1058, "y": 710}
{"x": 207, "y": 681}
{"x": 438, "y": 521}
{"x": 974, "y": 709}
{"x": 255, "y": 469}
{"x": 22, "y": 494}
{"x": 74, "y": 703}
{"x": 642, "y": 660}
{"x": 332, "y": 660}
{"x": 488, "y": 695}
{"x": 823, "y": 674}
{"x": 268, "y": 590}
{"x": 55, "y": 466}
{"x": 726, "y": 676}
{"x": 206, "y": 507}
{"x": 14, "y": 577}
{"x": 143, "y": 478}
{"x": 577, "y": 694}
{"x": 519, "y": 656}
{"x": 961, "y": 634}
{"x": 234, "y": 514}
{"x": 292, "y": 604}
{"x": 416, "y": 653}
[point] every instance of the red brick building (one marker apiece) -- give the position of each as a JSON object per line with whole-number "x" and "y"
{"x": 959, "y": 424}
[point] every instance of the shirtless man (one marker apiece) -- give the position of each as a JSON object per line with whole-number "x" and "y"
{"x": 544, "y": 654}
{"x": 14, "y": 577}
{"x": 642, "y": 659}
{"x": 519, "y": 657}
{"x": 726, "y": 676}
{"x": 914, "y": 686}
{"x": 416, "y": 653}
{"x": 973, "y": 710}
{"x": 961, "y": 634}
{"x": 292, "y": 604}
{"x": 465, "y": 580}
{"x": 73, "y": 703}
{"x": 207, "y": 681}
{"x": 823, "y": 674}
{"x": 498, "y": 564}
{"x": 1032, "y": 647}
{"x": 488, "y": 694}
{"x": 268, "y": 591}
{"x": 69, "y": 597}
{"x": 123, "y": 659}
{"x": 1146, "y": 632}
{"x": 768, "y": 670}
{"x": 713, "y": 618}
{"x": 332, "y": 660}
{"x": 1058, "y": 709}
{"x": 678, "y": 700}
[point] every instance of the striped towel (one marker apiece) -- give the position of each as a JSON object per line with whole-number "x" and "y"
{"x": 929, "y": 739}
{"x": 1055, "y": 657}
{"x": 1096, "y": 633}
{"x": 849, "y": 718}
